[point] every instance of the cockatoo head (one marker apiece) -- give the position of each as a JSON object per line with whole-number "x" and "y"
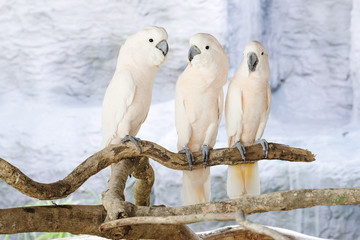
{"x": 147, "y": 47}
{"x": 206, "y": 52}
{"x": 256, "y": 57}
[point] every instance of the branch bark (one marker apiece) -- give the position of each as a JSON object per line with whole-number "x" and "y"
{"x": 278, "y": 201}
{"x": 113, "y": 199}
{"x": 115, "y": 153}
{"x": 168, "y": 220}
{"x": 87, "y": 219}
{"x": 257, "y": 228}
{"x": 236, "y": 232}
{"x": 145, "y": 178}
{"x": 81, "y": 219}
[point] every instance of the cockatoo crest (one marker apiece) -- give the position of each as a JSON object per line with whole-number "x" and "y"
{"x": 147, "y": 47}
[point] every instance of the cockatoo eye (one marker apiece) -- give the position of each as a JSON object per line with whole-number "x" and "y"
{"x": 151, "y": 40}
{"x": 262, "y": 53}
{"x": 207, "y": 47}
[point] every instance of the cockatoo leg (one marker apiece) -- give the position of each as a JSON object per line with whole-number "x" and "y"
{"x": 205, "y": 149}
{"x": 265, "y": 146}
{"x": 189, "y": 155}
{"x": 134, "y": 140}
{"x": 241, "y": 149}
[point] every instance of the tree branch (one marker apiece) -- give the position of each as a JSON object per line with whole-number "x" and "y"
{"x": 239, "y": 233}
{"x": 224, "y": 210}
{"x": 81, "y": 219}
{"x": 145, "y": 178}
{"x": 277, "y": 201}
{"x": 257, "y": 228}
{"x": 168, "y": 220}
{"x": 115, "y": 153}
{"x": 87, "y": 219}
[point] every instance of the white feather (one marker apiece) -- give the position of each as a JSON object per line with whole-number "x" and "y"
{"x": 233, "y": 113}
{"x": 118, "y": 97}
{"x": 182, "y": 123}
{"x": 265, "y": 116}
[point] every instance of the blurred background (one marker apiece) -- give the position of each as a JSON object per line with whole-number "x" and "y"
{"x": 57, "y": 58}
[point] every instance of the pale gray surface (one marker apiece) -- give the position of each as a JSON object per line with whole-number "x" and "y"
{"x": 56, "y": 59}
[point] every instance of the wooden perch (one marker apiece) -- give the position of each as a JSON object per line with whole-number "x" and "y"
{"x": 87, "y": 219}
{"x": 278, "y": 201}
{"x": 126, "y": 159}
{"x": 237, "y": 232}
{"x": 115, "y": 153}
{"x": 145, "y": 178}
{"x": 257, "y": 228}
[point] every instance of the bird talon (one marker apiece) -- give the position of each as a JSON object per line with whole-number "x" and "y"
{"x": 205, "y": 149}
{"x": 134, "y": 140}
{"x": 189, "y": 156}
{"x": 265, "y": 146}
{"x": 241, "y": 149}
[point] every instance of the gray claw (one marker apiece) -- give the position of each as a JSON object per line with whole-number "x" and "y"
{"x": 134, "y": 140}
{"x": 205, "y": 149}
{"x": 189, "y": 156}
{"x": 241, "y": 149}
{"x": 265, "y": 146}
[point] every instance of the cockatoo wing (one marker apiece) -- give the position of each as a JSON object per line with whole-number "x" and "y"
{"x": 265, "y": 116}
{"x": 118, "y": 97}
{"x": 233, "y": 114}
{"x": 220, "y": 106}
{"x": 182, "y": 122}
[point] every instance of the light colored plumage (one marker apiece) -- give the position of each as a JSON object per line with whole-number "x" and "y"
{"x": 198, "y": 109}
{"x": 247, "y": 109}
{"x": 128, "y": 96}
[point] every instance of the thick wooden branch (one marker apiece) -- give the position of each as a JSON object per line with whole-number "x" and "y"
{"x": 80, "y": 219}
{"x": 145, "y": 178}
{"x": 277, "y": 201}
{"x": 237, "y": 232}
{"x": 168, "y": 220}
{"x": 257, "y": 228}
{"x": 87, "y": 219}
{"x": 115, "y": 153}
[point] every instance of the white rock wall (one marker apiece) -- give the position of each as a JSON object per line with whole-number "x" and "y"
{"x": 56, "y": 59}
{"x": 355, "y": 59}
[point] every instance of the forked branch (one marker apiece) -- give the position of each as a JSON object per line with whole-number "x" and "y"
{"x": 224, "y": 210}
{"x": 115, "y": 153}
{"x": 87, "y": 219}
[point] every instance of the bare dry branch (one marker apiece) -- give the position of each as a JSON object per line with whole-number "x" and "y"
{"x": 257, "y": 228}
{"x": 113, "y": 198}
{"x": 145, "y": 178}
{"x": 277, "y": 201}
{"x": 115, "y": 153}
{"x": 223, "y": 210}
{"x": 181, "y": 219}
{"x": 87, "y": 219}
{"x": 80, "y": 219}
{"x": 235, "y": 232}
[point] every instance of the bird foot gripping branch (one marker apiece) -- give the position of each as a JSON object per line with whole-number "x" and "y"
{"x": 134, "y": 140}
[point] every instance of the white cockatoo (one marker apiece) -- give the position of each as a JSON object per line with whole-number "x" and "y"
{"x": 127, "y": 101}
{"x": 247, "y": 109}
{"x": 128, "y": 96}
{"x": 198, "y": 108}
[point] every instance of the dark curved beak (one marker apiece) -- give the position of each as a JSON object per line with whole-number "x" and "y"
{"x": 193, "y": 51}
{"x": 163, "y": 47}
{"x": 252, "y": 61}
